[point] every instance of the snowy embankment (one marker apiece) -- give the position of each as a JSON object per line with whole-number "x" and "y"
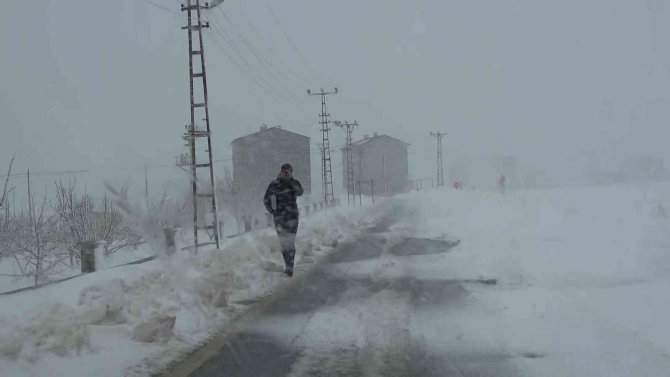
{"x": 583, "y": 277}
{"x": 582, "y": 274}
{"x": 134, "y": 319}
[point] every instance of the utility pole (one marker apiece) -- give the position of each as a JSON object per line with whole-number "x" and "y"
{"x": 386, "y": 181}
{"x": 419, "y": 183}
{"x": 146, "y": 186}
{"x": 328, "y": 195}
{"x": 349, "y": 128}
{"x": 372, "y": 190}
{"x": 323, "y": 167}
{"x": 200, "y": 111}
{"x": 440, "y": 170}
{"x": 371, "y": 182}
{"x": 360, "y": 194}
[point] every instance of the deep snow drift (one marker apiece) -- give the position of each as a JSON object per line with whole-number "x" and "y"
{"x": 86, "y": 326}
{"x": 582, "y": 277}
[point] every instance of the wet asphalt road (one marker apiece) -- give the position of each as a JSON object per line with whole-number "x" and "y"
{"x": 336, "y": 323}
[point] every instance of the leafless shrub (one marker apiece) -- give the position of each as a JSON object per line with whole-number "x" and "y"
{"x": 144, "y": 224}
{"x": 81, "y": 220}
{"x": 5, "y": 214}
{"x": 34, "y": 242}
{"x": 170, "y": 211}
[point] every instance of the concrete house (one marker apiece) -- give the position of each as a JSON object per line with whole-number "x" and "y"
{"x": 381, "y": 158}
{"x": 257, "y": 158}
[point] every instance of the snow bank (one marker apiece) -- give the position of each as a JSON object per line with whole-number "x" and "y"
{"x": 582, "y": 277}
{"x": 134, "y": 319}
{"x": 554, "y": 237}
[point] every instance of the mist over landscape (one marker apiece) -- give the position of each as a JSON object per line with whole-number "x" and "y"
{"x": 316, "y": 188}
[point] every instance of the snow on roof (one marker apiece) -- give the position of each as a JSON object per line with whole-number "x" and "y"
{"x": 366, "y": 139}
{"x": 267, "y": 131}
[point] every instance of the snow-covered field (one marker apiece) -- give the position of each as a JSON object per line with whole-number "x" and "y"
{"x": 582, "y": 275}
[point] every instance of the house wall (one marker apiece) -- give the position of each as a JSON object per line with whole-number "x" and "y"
{"x": 257, "y": 159}
{"x": 384, "y": 160}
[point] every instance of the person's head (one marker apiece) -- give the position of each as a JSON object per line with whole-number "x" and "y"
{"x": 286, "y": 171}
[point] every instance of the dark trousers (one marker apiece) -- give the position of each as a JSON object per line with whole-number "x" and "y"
{"x": 287, "y": 227}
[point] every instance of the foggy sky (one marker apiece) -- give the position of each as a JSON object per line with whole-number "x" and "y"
{"x": 103, "y": 86}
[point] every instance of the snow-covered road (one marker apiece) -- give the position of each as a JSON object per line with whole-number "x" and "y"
{"x": 549, "y": 283}
{"x": 340, "y": 321}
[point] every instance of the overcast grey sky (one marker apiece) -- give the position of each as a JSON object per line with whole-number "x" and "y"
{"x": 102, "y": 85}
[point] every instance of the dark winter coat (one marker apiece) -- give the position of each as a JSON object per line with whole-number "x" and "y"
{"x": 285, "y": 191}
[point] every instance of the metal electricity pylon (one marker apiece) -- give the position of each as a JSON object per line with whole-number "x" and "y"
{"x": 349, "y": 163}
{"x": 440, "y": 169}
{"x": 328, "y": 195}
{"x": 199, "y": 129}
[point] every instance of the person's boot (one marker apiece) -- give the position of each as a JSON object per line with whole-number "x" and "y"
{"x": 288, "y": 271}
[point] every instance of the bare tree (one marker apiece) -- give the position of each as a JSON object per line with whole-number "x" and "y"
{"x": 113, "y": 229}
{"x": 4, "y": 213}
{"x": 3, "y": 198}
{"x": 170, "y": 211}
{"x": 228, "y": 195}
{"x": 81, "y": 221}
{"x": 34, "y": 241}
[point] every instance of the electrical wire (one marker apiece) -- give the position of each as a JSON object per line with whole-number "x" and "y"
{"x": 265, "y": 63}
{"x": 161, "y": 7}
{"x": 243, "y": 67}
{"x": 290, "y": 41}
{"x": 260, "y": 60}
{"x": 237, "y": 58}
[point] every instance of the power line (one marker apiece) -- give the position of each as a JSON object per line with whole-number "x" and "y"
{"x": 272, "y": 52}
{"x": 235, "y": 55}
{"x": 63, "y": 172}
{"x": 230, "y": 42}
{"x": 236, "y": 63}
{"x": 265, "y": 63}
{"x": 290, "y": 41}
{"x": 261, "y": 61}
{"x": 224, "y": 15}
{"x": 161, "y": 7}
{"x": 243, "y": 67}
{"x": 246, "y": 64}
{"x": 222, "y": 32}
{"x": 269, "y": 47}
{"x": 43, "y": 173}
{"x": 245, "y": 72}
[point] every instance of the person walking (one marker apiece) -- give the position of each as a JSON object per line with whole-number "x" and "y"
{"x": 280, "y": 201}
{"x": 501, "y": 183}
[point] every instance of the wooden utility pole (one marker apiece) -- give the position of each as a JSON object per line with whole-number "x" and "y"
{"x": 199, "y": 113}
